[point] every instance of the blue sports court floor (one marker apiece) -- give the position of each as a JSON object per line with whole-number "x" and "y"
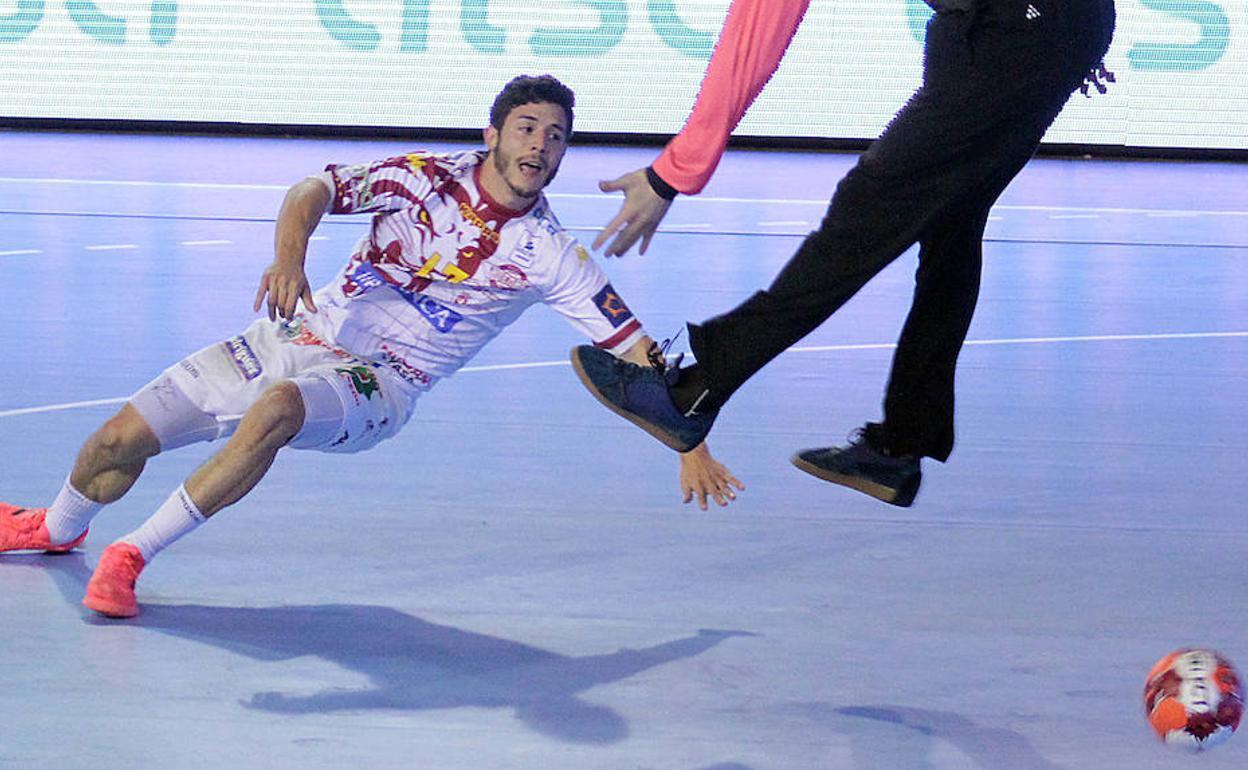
{"x": 513, "y": 582}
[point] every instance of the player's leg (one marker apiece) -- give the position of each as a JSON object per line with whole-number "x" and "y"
{"x": 980, "y": 74}
{"x": 884, "y": 458}
{"x": 949, "y": 149}
{"x": 232, "y": 472}
{"x": 157, "y": 418}
{"x": 923, "y": 162}
{"x": 226, "y": 477}
{"x": 919, "y": 400}
{"x": 335, "y": 409}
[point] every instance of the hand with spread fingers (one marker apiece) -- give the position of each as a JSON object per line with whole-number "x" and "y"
{"x": 639, "y": 216}
{"x": 285, "y": 284}
{"x": 284, "y": 281}
{"x": 703, "y": 476}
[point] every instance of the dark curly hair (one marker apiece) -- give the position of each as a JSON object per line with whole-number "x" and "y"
{"x": 531, "y": 89}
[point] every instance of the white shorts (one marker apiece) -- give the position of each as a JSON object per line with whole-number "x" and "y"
{"x": 350, "y": 404}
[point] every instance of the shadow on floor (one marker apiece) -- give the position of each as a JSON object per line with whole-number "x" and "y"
{"x": 903, "y": 738}
{"x": 411, "y": 663}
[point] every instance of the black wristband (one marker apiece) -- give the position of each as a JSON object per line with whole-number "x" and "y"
{"x": 661, "y": 188}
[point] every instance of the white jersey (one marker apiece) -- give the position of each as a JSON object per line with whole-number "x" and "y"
{"x": 445, "y": 268}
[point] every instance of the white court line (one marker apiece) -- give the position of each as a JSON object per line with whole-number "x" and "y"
{"x": 807, "y": 349}
{"x": 1037, "y": 340}
{"x": 62, "y": 407}
{"x": 1074, "y": 216}
{"x": 504, "y": 367}
{"x": 782, "y": 223}
{"x": 111, "y": 246}
{"x": 207, "y": 243}
{"x": 142, "y": 183}
{"x": 17, "y": 252}
{"x": 614, "y": 197}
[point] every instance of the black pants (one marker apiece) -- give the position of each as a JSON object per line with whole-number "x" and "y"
{"x": 993, "y": 83}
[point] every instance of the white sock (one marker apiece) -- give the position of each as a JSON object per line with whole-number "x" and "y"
{"x": 69, "y": 514}
{"x": 177, "y": 516}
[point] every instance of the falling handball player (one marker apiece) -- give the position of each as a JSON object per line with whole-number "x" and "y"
{"x": 460, "y": 245}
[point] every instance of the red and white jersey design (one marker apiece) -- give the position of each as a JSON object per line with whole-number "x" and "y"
{"x": 445, "y": 268}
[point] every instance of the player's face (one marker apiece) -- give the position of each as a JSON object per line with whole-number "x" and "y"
{"x": 527, "y": 150}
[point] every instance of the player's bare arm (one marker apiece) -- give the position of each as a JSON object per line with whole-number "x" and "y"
{"x": 285, "y": 281}
{"x": 639, "y": 215}
{"x": 701, "y": 475}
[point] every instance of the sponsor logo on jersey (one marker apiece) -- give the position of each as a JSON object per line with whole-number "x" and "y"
{"x": 244, "y": 358}
{"x": 524, "y": 254}
{"x": 296, "y": 334}
{"x": 441, "y": 316}
{"x": 402, "y": 367}
{"x": 508, "y": 278}
{"x": 363, "y": 278}
{"x": 611, "y": 306}
{"x": 189, "y": 368}
{"x": 362, "y": 379}
{"x": 471, "y": 216}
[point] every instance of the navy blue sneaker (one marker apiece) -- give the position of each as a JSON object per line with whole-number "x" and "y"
{"x": 640, "y": 395}
{"x": 866, "y": 468}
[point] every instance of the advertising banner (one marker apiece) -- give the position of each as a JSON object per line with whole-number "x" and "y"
{"x": 1181, "y": 66}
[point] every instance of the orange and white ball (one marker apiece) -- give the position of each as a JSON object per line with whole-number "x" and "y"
{"x": 1193, "y": 699}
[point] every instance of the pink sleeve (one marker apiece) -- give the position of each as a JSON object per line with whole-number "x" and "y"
{"x": 751, "y": 45}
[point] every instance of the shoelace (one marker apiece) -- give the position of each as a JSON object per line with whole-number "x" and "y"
{"x": 1097, "y": 77}
{"x": 869, "y": 435}
{"x": 657, "y": 354}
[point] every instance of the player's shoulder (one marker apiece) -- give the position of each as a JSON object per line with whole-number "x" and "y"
{"x": 543, "y": 225}
{"x": 447, "y": 164}
{"x": 461, "y": 162}
{"x": 543, "y": 245}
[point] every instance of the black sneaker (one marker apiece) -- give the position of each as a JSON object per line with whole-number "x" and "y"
{"x": 866, "y": 468}
{"x": 640, "y": 394}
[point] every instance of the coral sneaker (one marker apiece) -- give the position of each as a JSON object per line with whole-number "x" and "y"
{"x": 111, "y": 589}
{"x": 23, "y": 529}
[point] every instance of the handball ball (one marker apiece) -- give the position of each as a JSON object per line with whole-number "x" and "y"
{"x": 1193, "y": 699}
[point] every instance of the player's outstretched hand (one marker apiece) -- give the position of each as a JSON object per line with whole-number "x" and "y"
{"x": 285, "y": 285}
{"x": 702, "y": 476}
{"x": 639, "y": 216}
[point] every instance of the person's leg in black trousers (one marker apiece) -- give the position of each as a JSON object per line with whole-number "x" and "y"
{"x": 919, "y": 400}
{"x": 992, "y": 84}
{"x": 992, "y": 88}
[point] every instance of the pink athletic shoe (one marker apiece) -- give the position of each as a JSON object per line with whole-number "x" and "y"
{"x": 23, "y": 529}
{"x": 111, "y": 589}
